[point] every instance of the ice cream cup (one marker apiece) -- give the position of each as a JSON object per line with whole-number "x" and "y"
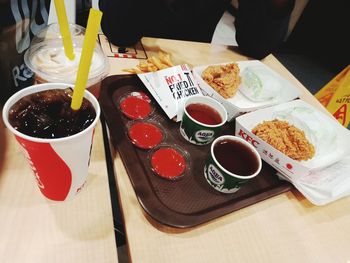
{"x": 197, "y": 130}
{"x": 60, "y": 165}
{"x": 47, "y": 59}
{"x": 242, "y": 157}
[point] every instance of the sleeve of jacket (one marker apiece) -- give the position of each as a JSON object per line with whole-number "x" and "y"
{"x": 122, "y": 21}
{"x": 261, "y": 25}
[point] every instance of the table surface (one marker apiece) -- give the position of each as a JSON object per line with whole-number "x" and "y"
{"x": 35, "y": 229}
{"x": 285, "y": 228}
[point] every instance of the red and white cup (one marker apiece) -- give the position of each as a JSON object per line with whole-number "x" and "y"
{"x": 60, "y": 165}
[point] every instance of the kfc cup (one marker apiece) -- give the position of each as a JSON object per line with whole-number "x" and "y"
{"x": 46, "y": 58}
{"x": 60, "y": 164}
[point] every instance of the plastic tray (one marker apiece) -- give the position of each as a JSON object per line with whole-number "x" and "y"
{"x": 189, "y": 201}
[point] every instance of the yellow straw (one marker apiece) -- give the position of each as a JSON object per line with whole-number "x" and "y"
{"x": 64, "y": 28}
{"x": 87, "y": 52}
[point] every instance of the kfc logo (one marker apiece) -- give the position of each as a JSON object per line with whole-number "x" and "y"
{"x": 249, "y": 139}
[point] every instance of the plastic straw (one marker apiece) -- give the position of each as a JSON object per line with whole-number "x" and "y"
{"x": 64, "y": 28}
{"x": 87, "y": 52}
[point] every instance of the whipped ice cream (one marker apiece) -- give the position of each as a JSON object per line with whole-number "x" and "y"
{"x": 46, "y": 57}
{"x": 52, "y": 64}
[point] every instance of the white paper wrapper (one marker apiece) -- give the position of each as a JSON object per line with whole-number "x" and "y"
{"x": 327, "y": 185}
{"x": 171, "y": 87}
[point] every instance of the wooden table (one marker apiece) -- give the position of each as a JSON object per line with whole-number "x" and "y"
{"x": 285, "y": 228}
{"x": 34, "y": 229}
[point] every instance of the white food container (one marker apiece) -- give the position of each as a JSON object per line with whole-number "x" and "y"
{"x": 329, "y": 138}
{"x": 243, "y": 101}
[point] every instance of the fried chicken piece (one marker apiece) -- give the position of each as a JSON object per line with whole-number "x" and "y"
{"x": 286, "y": 138}
{"x": 224, "y": 79}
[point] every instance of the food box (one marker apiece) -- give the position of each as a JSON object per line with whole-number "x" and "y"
{"x": 324, "y": 132}
{"x": 273, "y": 88}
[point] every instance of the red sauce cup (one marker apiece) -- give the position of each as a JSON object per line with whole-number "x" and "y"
{"x": 145, "y": 135}
{"x": 169, "y": 162}
{"x": 136, "y": 105}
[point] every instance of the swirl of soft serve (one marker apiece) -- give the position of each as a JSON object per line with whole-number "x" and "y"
{"x": 54, "y": 62}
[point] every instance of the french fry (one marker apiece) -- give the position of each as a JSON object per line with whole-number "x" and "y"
{"x": 133, "y": 70}
{"x": 155, "y": 61}
{"x": 165, "y": 58}
{"x": 152, "y": 68}
{"x": 152, "y": 64}
{"x": 143, "y": 65}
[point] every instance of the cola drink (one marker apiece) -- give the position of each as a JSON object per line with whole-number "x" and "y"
{"x": 56, "y": 141}
{"x": 47, "y": 114}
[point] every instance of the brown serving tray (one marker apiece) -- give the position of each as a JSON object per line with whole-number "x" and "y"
{"x": 190, "y": 200}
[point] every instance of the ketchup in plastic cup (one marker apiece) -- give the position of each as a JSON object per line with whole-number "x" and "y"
{"x": 136, "y": 105}
{"x": 145, "y": 135}
{"x": 169, "y": 162}
{"x": 60, "y": 165}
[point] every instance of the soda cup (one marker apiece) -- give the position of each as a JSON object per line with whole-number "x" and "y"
{"x": 60, "y": 165}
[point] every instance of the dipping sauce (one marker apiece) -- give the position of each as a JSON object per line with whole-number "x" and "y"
{"x": 145, "y": 135}
{"x": 168, "y": 163}
{"x": 136, "y": 106}
{"x": 236, "y": 157}
{"x": 204, "y": 114}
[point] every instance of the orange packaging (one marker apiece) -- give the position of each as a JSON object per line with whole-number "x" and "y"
{"x": 335, "y": 96}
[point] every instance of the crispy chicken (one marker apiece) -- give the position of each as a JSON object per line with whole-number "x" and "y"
{"x": 224, "y": 79}
{"x": 286, "y": 138}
